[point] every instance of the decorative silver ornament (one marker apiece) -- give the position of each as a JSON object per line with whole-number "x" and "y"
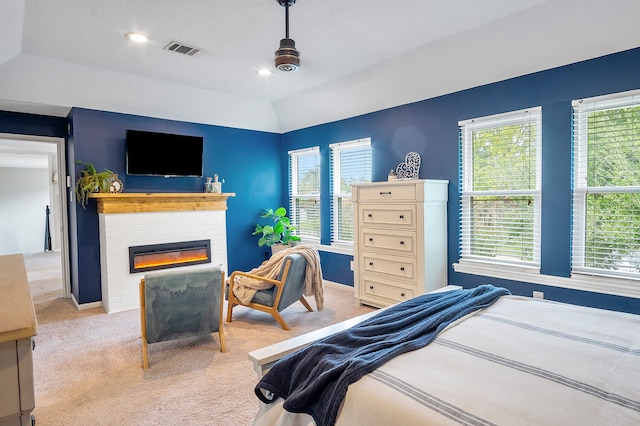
{"x": 410, "y": 168}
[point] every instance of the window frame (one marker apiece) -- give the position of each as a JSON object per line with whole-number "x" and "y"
{"x": 581, "y": 189}
{"x": 294, "y": 214}
{"x": 467, "y": 193}
{"x": 335, "y": 173}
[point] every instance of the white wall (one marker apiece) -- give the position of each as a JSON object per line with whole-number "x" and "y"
{"x": 24, "y": 195}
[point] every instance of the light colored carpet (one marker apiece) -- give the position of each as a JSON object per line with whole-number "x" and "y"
{"x": 88, "y": 365}
{"x": 44, "y": 272}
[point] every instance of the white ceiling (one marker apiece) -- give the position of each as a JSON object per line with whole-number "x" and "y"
{"x": 357, "y": 56}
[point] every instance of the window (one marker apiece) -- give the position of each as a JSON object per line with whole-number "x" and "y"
{"x": 350, "y": 163}
{"x": 304, "y": 192}
{"x": 606, "y": 185}
{"x": 500, "y": 182}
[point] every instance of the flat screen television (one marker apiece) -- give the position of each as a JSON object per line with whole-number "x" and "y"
{"x": 163, "y": 154}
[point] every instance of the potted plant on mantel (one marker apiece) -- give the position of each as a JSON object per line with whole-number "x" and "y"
{"x": 91, "y": 181}
{"x": 278, "y": 234}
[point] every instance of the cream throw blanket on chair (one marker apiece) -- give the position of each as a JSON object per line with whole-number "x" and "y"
{"x": 245, "y": 288}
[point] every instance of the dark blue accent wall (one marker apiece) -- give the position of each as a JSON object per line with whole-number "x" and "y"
{"x": 248, "y": 161}
{"x": 336, "y": 267}
{"x": 32, "y": 124}
{"x": 430, "y": 127}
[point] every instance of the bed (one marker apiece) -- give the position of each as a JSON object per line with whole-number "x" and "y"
{"x": 517, "y": 361}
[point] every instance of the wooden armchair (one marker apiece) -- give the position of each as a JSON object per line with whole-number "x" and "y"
{"x": 286, "y": 290}
{"x": 175, "y": 305}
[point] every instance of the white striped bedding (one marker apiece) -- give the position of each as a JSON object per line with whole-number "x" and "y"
{"x": 521, "y": 361}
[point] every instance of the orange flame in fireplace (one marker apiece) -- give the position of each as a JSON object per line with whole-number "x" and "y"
{"x": 153, "y": 260}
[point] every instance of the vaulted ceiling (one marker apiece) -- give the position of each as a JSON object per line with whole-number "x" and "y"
{"x": 357, "y": 56}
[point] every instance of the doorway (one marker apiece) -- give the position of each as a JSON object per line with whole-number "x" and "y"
{"x": 35, "y": 199}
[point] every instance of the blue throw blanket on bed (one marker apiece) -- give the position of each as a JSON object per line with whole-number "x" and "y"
{"x": 314, "y": 380}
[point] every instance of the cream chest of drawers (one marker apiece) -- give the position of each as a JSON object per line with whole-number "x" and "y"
{"x": 400, "y": 239}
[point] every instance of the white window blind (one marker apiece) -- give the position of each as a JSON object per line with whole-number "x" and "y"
{"x": 500, "y": 179}
{"x": 350, "y": 163}
{"x": 304, "y": 192}
{"x": 606, "y": 185}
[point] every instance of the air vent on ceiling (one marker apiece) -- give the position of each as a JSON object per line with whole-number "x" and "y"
{"x": 174, "y": 46}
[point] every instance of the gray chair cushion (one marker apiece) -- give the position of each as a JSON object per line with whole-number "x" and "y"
{"x": 293, "y": 287}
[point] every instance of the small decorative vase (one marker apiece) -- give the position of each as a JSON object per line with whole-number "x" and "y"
{"x": 216, "y": 185}
{"x": 208, "y": 185}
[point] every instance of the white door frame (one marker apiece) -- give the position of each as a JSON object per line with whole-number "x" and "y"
{"x": 62, "y": 205}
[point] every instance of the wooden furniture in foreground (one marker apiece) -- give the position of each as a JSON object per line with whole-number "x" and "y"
{"x": 400, "y": 239}
{"x": 286, "y": 290}
{"x": 179, "y": 304}
{"x": 18, "y": 325}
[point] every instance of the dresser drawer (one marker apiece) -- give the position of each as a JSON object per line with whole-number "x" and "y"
{"x": 400, "y": 242}
{"x": 398, "y": 267}
{"x": 377, "y": 289}
{"x": 387, "y": 193}
{"x": 9, "y": 377}
{"x": 401, "y": 216}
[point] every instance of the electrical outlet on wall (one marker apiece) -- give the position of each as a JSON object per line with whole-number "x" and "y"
{"x": 538, "y": 295}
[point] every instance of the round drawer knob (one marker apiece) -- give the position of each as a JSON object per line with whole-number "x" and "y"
{"x": 401, "y": 216}
{"x": 371, "y": 239}
{"x": 401, "y": 243}
{"x": 369, "y": 215}
{"x": 402, "y": 294}
{"x": 370, "y": 263}
{"x": 402, "y": 268}
{"x": 370, "y": 287}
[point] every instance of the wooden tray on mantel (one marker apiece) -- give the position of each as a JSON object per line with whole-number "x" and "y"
{"x": 143, "y": 202}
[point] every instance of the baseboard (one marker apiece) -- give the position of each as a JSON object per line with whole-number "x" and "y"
{"x": 83, "y": 306}
{"x": 336, "y": 283}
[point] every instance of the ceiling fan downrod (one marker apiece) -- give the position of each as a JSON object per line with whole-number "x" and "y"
{"x": 287, "y": 57}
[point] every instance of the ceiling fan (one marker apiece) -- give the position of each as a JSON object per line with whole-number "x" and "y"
{"x": 287, "y": 57}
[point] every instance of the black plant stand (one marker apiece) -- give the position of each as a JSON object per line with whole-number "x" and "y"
{"x": 47, "y": 232}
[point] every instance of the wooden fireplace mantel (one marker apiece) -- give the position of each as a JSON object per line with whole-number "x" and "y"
{"x": 144, "y": 202}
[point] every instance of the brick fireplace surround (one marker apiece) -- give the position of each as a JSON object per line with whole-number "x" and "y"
{"x": 129, "y": 219}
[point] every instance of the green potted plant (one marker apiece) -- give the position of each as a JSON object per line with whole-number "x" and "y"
{"x": 278, "y": 232}
{"x": 91, "y": 180}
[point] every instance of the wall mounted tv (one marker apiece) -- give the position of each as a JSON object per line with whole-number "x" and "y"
{"x": 163, "y": 154}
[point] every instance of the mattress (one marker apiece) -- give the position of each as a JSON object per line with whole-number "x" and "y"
{"x": 520, "y": 361}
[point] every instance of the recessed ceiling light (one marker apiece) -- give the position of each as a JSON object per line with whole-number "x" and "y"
{"x": 264, "y": 71}
{"x": 137, "y": 37}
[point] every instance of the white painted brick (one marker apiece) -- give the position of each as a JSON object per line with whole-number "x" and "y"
{"x": 120, "y": 231}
